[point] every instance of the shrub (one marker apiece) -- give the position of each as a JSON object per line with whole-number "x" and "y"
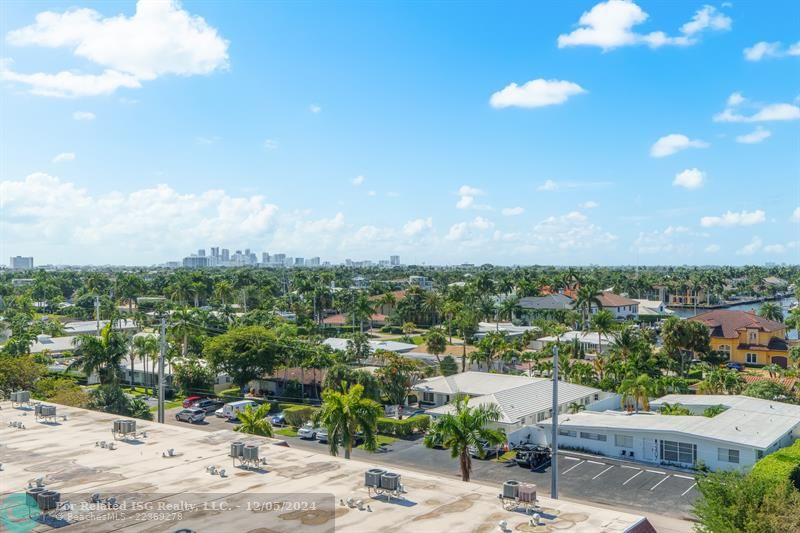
{"x": 403, "y": 428}
{"x": 297, "y": 415}
{"x": 781, "y": 465}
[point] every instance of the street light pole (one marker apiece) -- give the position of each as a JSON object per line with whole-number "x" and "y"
{"x": 162, "y": 353}
{"x": 554, "y": 438}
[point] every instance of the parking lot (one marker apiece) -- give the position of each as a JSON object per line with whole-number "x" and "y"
{"x": 645, "y": 488}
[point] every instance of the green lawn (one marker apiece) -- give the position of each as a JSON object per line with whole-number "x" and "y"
{"x": 172, "y": 404}
{"x": 286, "y": 432}
{"x": 415, "y": 339}
{"x": 382, "y": 440}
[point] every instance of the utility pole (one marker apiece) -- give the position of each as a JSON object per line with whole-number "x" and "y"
{"x": 97, "y": 313}
{"x": 161, "y": 355}
{"x": 554, "y": 438}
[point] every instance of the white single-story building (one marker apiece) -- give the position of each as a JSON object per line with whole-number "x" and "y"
{"x": 389, "y": 346}
{"x": 622, "y": 307}
{"x": 523, "y": 401}
{"x": 653, "y": 308}
{"x": 511, "y": 331}
{"x": 747, "y": 430}
{"x": 89, "y": 327}
{"x": 590, "y": 341}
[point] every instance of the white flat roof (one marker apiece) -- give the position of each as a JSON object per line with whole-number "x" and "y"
{"x": 64, "y": 454}
{"x": 746, "y": 421}
{"x": 80, "y": 327}
{"x": 391, "y": 346}
{"x": 589, "y": 337}
{"x": 54, "y": 345}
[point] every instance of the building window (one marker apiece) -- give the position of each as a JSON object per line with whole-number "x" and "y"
{"x": 567, "y": 433}
{"x": 593, "y": 436}
{"x": 752, "y": 358}
{"x": 446, "y": 398}
{"x": 596, "y": 396}
{"x": 727, "y": 455}
{"x": 623, "y": 441}
{"x": 540, "y": 416}
{"x": 752, "y": 336}
{"x": 427, "y": 397}
{"x": 678, "y": 452}
{"x": 759, "y": 454}
{"x": 726, "y": 350}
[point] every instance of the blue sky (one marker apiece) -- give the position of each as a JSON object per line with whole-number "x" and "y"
{"x": 657, "y": 132}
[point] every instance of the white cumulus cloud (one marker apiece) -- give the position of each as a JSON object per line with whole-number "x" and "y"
{"x": 512, "y": 211}
{"x": 795, "y": 215}
{"x": 674, "y": 143}
{"x": 358, "y": 180}
{"x": 763, "y": 49}
{"x": 733, "y": 218}
{"x": 763, "y": 113}
{"x": 83, "y": 115}
{"x": 315, "y": 108}
{"x": 417, "y": 226}
{"x": 159, "y": 39}
{"x": 712, "y": 248}
{"x": 590, "y": 204}
{"x": 691, "y": 178}
{"x": 466, "y": 196}
{"x": 64, "y": 156}
{"x": 754, "y": 137}
{"x": 752, "y": 247}
{"x": 535, "y": 93}
{"x": 610, "y": 25}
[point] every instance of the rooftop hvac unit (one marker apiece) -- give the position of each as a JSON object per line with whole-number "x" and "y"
{"x": 250, "y": 452}
{"x": 511, "y": 489}
{"x": 48, "y": 500}
{"x": 32, "y": 496}
{"x": 20, "y": 397}
{"x": 48, "y": 410}
{"x": 527, "y": 493}
{"x": 372, "y": 478}
{"x": 390, "y": 481}
{"x": 125, "y": 429}
{"x": 237, "y": 448}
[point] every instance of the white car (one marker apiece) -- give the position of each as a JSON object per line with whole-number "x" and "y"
{"x": 220, "y": 412}
{"x": 308, "y": 431}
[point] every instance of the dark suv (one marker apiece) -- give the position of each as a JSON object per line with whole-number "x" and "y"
{"x": 208, "y": 405}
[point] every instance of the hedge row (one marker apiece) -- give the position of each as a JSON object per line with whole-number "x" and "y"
{"x": 297, "y": 415}
{"x": 781, "y": 465}
{"x": 405, "y": 427}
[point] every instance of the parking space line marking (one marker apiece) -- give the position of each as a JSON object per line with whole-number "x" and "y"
{"x": 603, "y": 472}
{"x": 657, "y": 472}
{"x": 571, "y": 458}
{"x": 659, "y": 483}
{"x": 631, "y": 467}
{"x": 576, "y": 466}
{"x": 682, "y": 476}
{"x": 633, "y": 476}
{"x": 690, "y": 488}
{"x": 595, "y": 462}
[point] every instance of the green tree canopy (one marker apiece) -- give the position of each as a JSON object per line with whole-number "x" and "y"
{"x": 244, "y": 353}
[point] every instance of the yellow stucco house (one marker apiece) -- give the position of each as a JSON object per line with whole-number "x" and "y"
{"x": 746, "y": 337}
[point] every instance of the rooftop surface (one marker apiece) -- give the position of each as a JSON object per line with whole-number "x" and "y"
{"x": 66, "y": 456}
{"x": 727, "y": 323}
{"x": 473, "y": 383}
{"x": 391, "y": 346}
{"x": 746, "y": 421}
{"x": 525, "y": 400}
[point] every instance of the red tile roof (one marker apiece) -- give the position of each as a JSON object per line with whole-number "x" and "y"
{"x": 341, "y": 319}
{"x": 398, "y": 295}
{"x": 609, "y": 299}
{"x": 789, "y": 383}
{"x": 726, "y": 323}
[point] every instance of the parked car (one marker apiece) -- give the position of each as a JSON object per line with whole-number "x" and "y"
{"x": 532, "y": 455}
{"x": 191, "y": 400}
{"x": 231, "y": 410}
{"x": 209, "y": 405}
{"x": 735, "y": 366}
{"x": 308, "y": 431}
{"x": 193, "y": 415}
{"x": 220, "y": 413}
{"x": 489, "y": 450}
{"x": 278, "y": 420}
{"x": 322, "y": 436}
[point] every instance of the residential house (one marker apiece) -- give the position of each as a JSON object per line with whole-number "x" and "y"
{"x": 622, "y": 307}
{"x": 653, "y": 309}
{"x": 390, "y": 346}
{"x": 747, "y": 430}
{"x": 746, "y": 337}
{"x": 591, "y": 342}
{"x": 546, "y": 304}
{"x": 90, "y": 327}
{"x": 387, "y": 309}
{"x": 523, "y": 401}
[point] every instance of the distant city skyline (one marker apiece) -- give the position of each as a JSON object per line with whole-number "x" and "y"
{"x": 589, "y": 132}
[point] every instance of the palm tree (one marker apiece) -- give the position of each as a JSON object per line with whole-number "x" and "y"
{"x": 254, "y": 421}
{"x": 603, "y": 321}
{"x": 144, "y": 347}
{"x": 575, "y": 408}
{"x": 182, "y": 323}
{"x": 465, "y": 427}
{"x": 346, "y": 413}
{"x": 102, "y": 354}
{"x": 436, "y": 342}
{"x": 508, "y": 307}
{"x": 432, "y": 305}
{"x": 771, "y": 311}
{"x": 793, "y": 319}
{"x": 223, "y": 291}
{"x": 637, "y": 389}
{"x": 674, "y": 409}
{"x": 773, "y": 370}
{"x": 586, "y": 298}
